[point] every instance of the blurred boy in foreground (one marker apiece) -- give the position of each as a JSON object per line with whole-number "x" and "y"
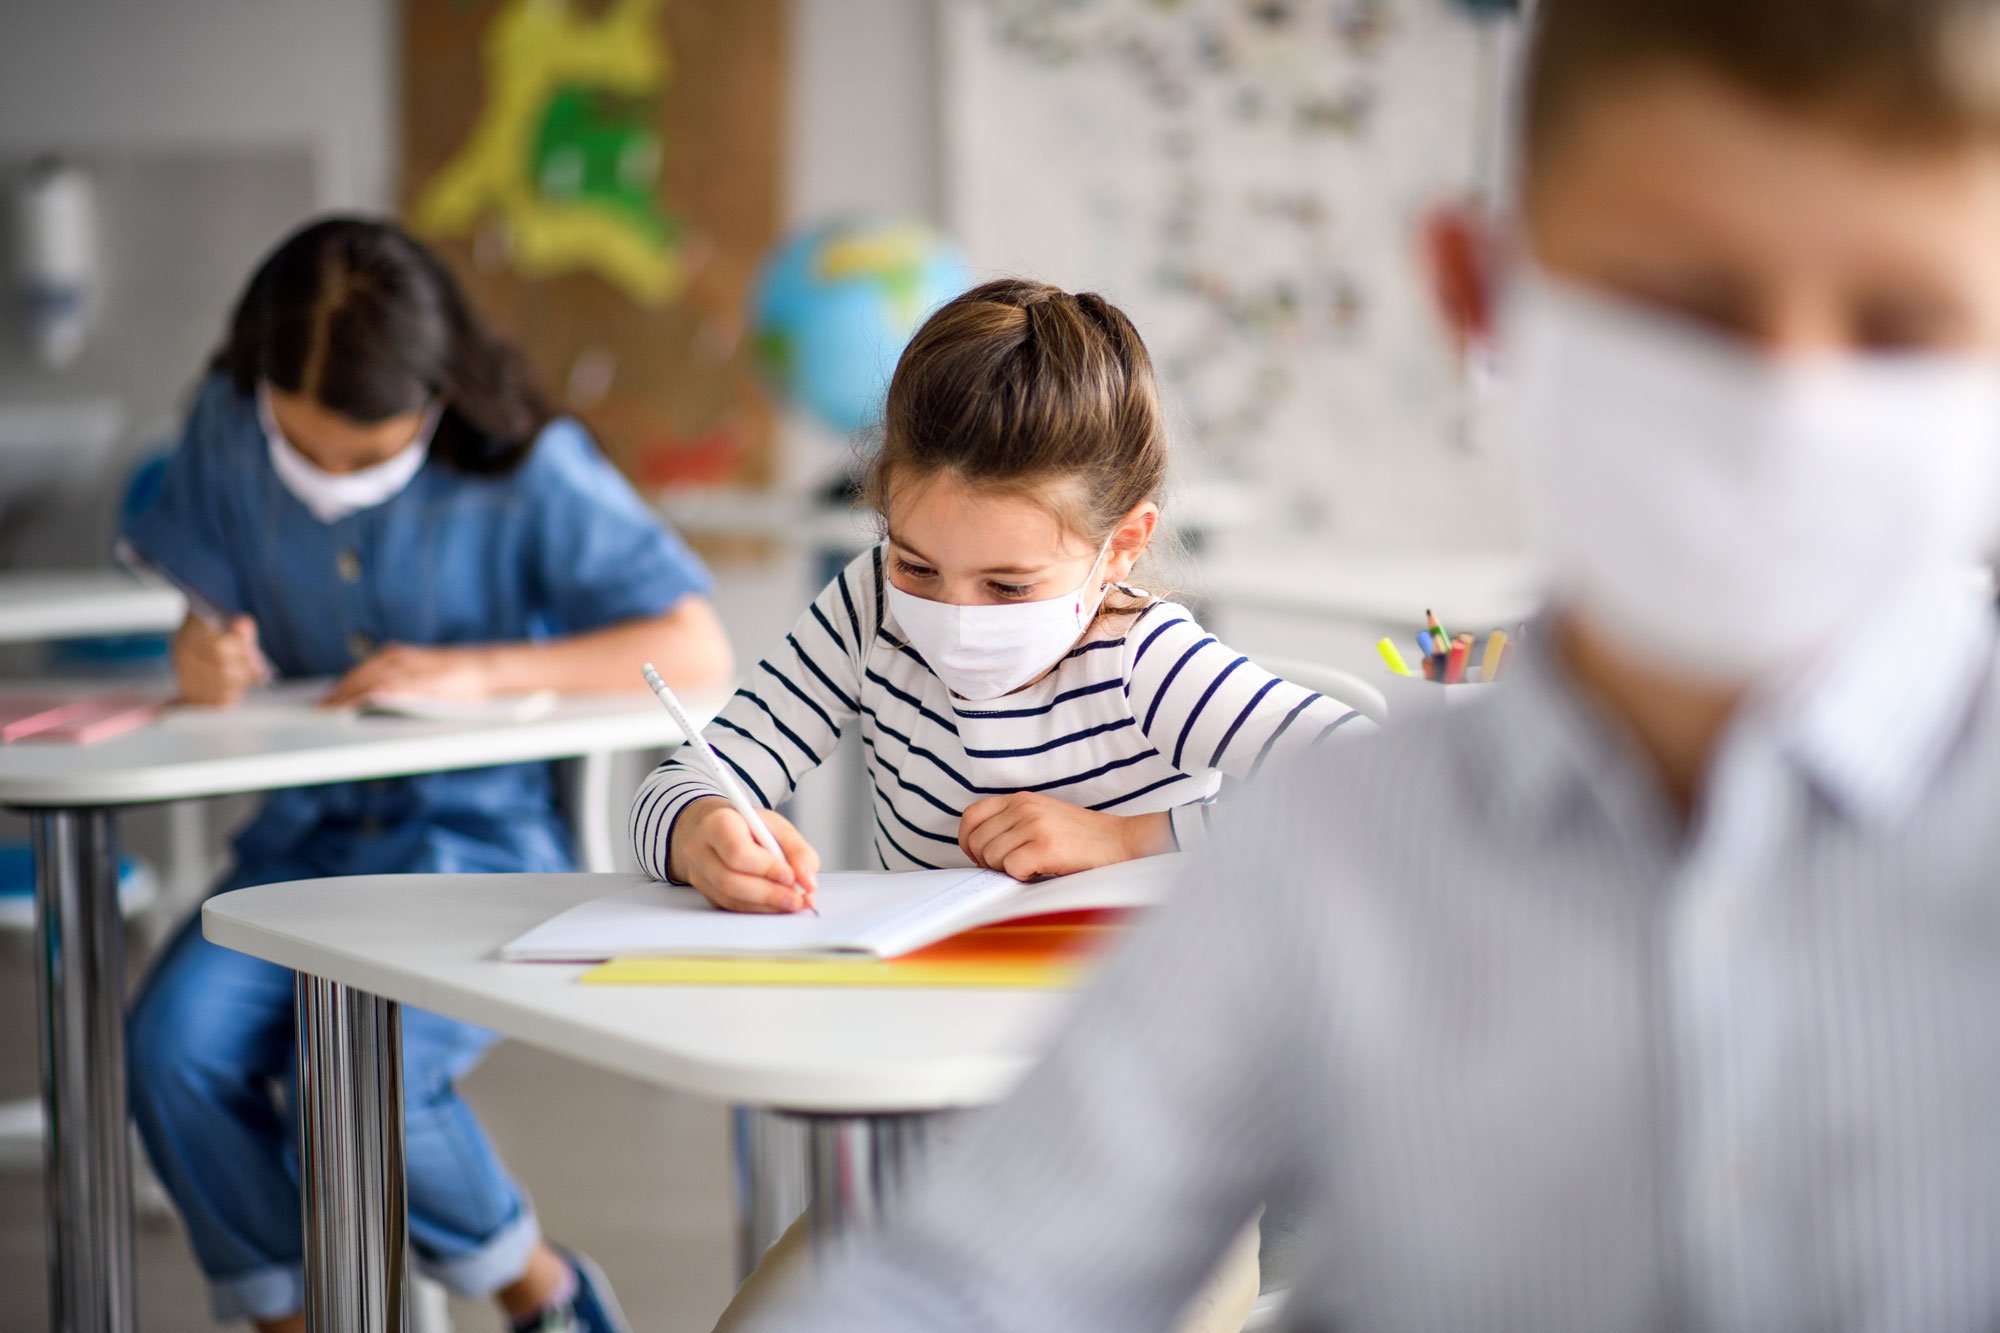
{"x": 1659, "y": 992}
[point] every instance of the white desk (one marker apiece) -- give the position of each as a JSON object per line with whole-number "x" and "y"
{"x": 432, "y": 941}
{"x": 197, "y": 752}
{"x": 865, "y": 1069}
{"x": 73, "y": 604}
{"x": 72, "y": 793}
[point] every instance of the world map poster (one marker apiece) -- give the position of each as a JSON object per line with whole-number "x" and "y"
{"x": 605, "y": 176}
{"x": 1248, "y": 178}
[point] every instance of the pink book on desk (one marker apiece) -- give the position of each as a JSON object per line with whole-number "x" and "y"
{"x": 24, "y": 715}
{"x": 81, "y": 721}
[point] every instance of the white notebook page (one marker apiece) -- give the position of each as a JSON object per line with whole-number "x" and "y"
{"x": 866, "y": 913}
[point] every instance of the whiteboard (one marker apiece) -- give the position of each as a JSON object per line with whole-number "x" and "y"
{"x": 1246, "y": 181}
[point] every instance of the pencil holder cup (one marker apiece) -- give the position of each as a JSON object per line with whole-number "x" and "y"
{"x": 1411, "y": 695}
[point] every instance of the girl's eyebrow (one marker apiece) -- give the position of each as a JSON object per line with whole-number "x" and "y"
{"x": 1015, "y": 570}
{"x": 894, "y": 540}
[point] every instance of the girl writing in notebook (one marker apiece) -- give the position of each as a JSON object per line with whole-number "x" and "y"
{"x": 370, "y": 488}
{"x": 1022, "y": 707}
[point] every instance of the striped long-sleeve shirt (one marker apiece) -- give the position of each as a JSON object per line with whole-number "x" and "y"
{"x": 1147, "y": 713}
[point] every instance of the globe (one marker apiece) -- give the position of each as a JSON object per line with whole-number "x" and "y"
{"x": 834, "y": 305}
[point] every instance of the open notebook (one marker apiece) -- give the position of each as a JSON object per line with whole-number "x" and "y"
{"x": 869, "y": 915}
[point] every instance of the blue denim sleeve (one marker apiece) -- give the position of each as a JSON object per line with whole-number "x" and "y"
{"x": 600, "y": 556}
{"x": 185, "y": 530}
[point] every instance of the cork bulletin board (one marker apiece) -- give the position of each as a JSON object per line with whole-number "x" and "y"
{"x": 605, "y": 177}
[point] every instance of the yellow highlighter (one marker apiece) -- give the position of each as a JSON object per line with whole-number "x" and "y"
{"x": 1394, "y": 659}
{"x": 1489, "y": 665}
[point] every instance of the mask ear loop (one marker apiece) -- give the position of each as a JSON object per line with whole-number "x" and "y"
{"x": 265, "y": 417}
{"x": 426, "y": 434}
{"x": 1103, "y": 589}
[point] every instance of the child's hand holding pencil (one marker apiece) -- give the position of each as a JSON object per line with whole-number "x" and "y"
{"x": 748, "y": 860}
{"x": 715, "y": 851}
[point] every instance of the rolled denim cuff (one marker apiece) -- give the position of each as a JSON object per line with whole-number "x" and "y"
{"x": 262, "y": 1294}
{"x": 500, "y": 1259}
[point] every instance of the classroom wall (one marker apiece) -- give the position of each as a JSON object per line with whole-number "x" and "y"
{"x": 208, "y": 127}
{"x": 864, "y": 122}
{"x": 125, "y": 74}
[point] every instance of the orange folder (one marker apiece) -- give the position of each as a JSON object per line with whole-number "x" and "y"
{"x": 1039, "y": 953}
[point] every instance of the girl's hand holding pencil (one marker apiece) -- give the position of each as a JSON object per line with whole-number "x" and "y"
{"x": 748, "y": 860}
{"x": 715, "y": 851}
{"x": 215, "y": 663}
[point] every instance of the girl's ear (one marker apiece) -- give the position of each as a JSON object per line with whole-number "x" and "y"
{"x": 1129, "y": 541}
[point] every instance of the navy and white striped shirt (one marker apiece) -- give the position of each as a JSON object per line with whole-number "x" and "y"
{"x": 1147, "y": 713}
{"x": 1539, "y": 1056}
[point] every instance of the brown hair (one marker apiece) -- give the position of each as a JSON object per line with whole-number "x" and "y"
{"x": 1912, "y": 70}
{"x": 357, "y": 315}
{"x": 1021, "y": 388}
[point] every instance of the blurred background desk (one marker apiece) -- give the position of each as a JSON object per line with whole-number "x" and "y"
{"x": 73, "y": 794}
{"x": 44, "y": 606}
{"x": 1331, "y": 605}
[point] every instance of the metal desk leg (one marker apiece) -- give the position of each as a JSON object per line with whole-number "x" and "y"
{"x": 590, "y": 816}
{"x": 772, "y": 1184}
{"x": 351, "y": 1159}
{"x": 80, "y": 962}
{"x": 858, "y": 1162}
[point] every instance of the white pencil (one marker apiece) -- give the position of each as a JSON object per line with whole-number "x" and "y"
{"x": 719, "y": 771}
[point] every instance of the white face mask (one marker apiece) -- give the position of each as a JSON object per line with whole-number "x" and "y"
{"x": 983, "y": 652}
{"x": 332, "y": 496}
{"x": 1725, "y": 514}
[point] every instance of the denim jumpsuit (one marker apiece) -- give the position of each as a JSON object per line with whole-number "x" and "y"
{"x": 559, "y": 546}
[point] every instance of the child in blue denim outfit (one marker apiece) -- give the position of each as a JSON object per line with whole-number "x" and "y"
{"x": 372, "y": 488}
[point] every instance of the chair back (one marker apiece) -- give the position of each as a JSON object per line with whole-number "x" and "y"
{"x": 1342, "y": 686}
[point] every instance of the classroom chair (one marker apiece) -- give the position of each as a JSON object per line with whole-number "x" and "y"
{"x": 1334, "y": 683}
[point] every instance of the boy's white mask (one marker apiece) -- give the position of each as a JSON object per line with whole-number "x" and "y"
{"x": 1728, "y": 514}
{"x": 984, "y": 652}
{"x": 332, "y": 496}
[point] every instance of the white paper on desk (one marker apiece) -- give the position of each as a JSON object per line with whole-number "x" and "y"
{"x": 880, "y": 915}
{"x": 294, "y": 701}
{"x": 497, "y": 708}
{"x": 281, "y": 702}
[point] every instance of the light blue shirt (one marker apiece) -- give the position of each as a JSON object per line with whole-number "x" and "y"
{"x": 559, "y": 545}
{"x": 1534, "y": 1054}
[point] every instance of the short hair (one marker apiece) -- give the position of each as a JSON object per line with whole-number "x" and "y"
{"x": 1908, "y": 70}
